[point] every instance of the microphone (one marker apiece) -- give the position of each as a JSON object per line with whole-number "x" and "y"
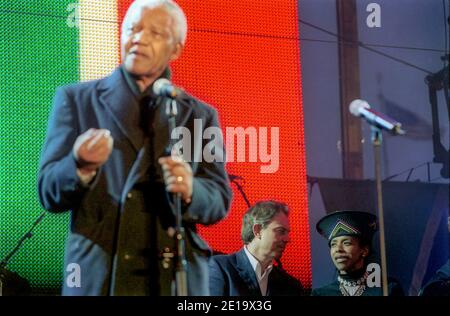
{"x": 164, "y": 88}
{"x": 361, "y": 108}
{"x": 233, "y": 177}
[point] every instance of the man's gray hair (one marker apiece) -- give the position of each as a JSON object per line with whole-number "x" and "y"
{"x": 261, "y": 213}
{"x": 172, "y": 8}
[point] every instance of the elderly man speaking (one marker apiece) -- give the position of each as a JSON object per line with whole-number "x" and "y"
{"x": 105, "y": 161}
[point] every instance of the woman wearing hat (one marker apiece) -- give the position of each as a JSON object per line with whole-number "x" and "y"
{"x": 349, "y": 235}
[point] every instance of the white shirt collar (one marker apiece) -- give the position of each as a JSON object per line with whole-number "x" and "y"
{"x": 262, "y": 277}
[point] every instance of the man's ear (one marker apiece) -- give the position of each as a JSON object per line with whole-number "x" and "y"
{"x": 365, "y": 252}
{"x": 257, "y": 230}
{"x": 177, "y": 51}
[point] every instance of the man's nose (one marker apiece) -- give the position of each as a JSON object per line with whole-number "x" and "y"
{"x": 335, "y": 248}
{"x": 137, "y": 37}
{"x": 338, "y": 248}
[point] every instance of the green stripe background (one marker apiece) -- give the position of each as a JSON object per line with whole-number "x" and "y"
{"x": 38, "y": 52}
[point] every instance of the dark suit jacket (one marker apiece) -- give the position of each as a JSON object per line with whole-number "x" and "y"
{"x": 118, "y": 222}
{"x": 233, "y": 275}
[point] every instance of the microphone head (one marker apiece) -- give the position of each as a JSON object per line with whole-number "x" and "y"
{"x": 356, "y": 105}
{"x": 158, "y": 86}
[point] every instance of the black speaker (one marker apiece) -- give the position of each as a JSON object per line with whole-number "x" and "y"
{"x": 12, "y": 284}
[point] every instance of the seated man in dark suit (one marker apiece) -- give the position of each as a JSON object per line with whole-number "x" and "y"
{"x": 251, "y": 271}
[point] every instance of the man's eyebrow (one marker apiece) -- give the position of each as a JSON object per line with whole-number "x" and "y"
{"x": 283, "y": 228}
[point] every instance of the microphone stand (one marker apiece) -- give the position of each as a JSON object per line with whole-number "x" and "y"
{"x": 28, "y": 235}
{"x": 181, "y": 261}
{"x": 233, "y": 179}
{"x": 4, "y": 273}
{"x": 377, "y": 140}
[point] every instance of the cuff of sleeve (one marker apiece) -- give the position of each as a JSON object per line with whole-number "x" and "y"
{"x": 85, "y": 178}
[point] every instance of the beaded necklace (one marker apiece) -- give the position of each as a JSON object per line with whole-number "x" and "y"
{"x": 359, "y": 283}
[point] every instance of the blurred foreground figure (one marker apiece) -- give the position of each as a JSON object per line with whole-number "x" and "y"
{"x": 105, "y": 160}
